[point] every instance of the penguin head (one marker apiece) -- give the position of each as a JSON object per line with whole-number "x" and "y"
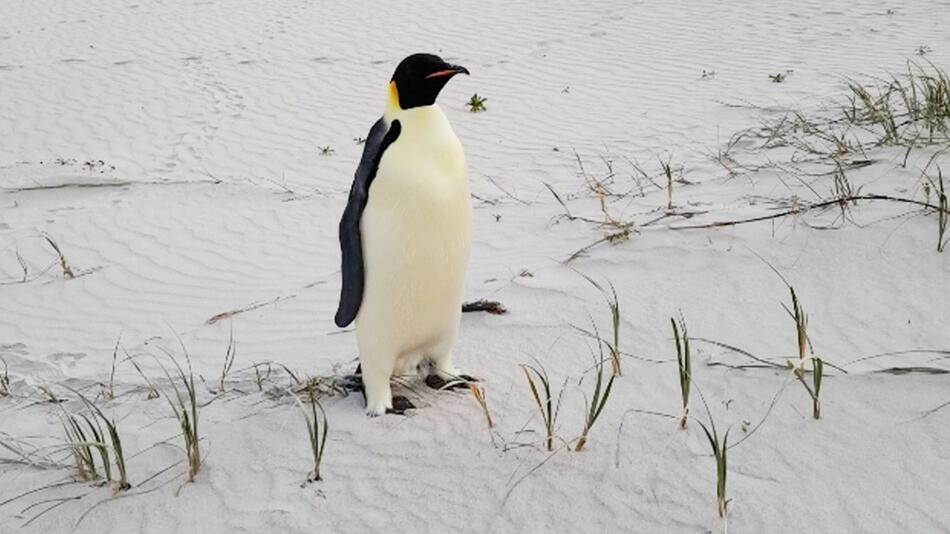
{"x": 419, "y": 78}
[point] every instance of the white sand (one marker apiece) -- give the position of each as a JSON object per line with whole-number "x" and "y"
{"x": 208, "y": 116}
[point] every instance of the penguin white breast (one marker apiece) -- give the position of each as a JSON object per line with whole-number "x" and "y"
{"x": 416, "y": 230}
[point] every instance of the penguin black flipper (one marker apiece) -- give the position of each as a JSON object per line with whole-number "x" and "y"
{"x": 381, "y": 135}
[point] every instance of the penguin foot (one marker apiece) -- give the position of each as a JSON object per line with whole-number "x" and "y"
{"x": 435, "y": 381}
{"x": 400, "y": 405}
{"x": 354, "y": 382}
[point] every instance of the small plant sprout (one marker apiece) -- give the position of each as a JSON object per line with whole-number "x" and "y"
{"x": 63, "y": 264}
{"x": 778, "y": 77}
{"x": 719, "y": 449}
{"x": 476, "y": 103}
{"x": 326, "y": 150}
{"x": 684, "y": 364}
{"x": 318, "y": 439}
{"x": 598, "y": 398}
{"x": 804, "y": 343}
{"x": 4, "y": 380}
{"x": 668, "y": 172}
{"x": 546, "y": 406}
{"x": 801, "y": 330}
{"x": 814, "y": 390}
{"x": 228, "y": 361}
{"x": 108, "y": 392}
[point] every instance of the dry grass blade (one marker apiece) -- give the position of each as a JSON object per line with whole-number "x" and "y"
{"x": 64, "y": 265}
{"x": 801, "y": 329}
{"x": 478, "y": 393}
{"x": 26, "y": 454}
{"x": 260, "y": 377}
{"x": 108, "y": 392}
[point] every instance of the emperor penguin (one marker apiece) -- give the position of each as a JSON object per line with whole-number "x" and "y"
{"x": 404, "y": 236}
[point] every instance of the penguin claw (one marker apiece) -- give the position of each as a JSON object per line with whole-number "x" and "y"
{"x": 400, "y": 405}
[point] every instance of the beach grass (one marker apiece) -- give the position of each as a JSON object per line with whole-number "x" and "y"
{"x": 598, "y": 397}
{"x": 115, "y": 443}
{"x": 613, "y": 306}
{"x": 81, "y": 444}
{"x": 547, "y": 406}
{"x": 184, "y": 404}
{"x": 943, "y": 219}
{"x": 684, "y": 365}
{"x": 4, "y": 379}
{"x": 797, "y": 313}
{"x": 229, "y": 356}
{"x": 317, "y": 430}
{"x": 720, "y": 449}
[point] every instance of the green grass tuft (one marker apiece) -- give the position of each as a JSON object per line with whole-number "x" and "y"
{"x": 4, "y": 380}
{"x": 684, "y": 365}
{"x": 599, "y": 396}
{"x": 546, "y": 405}
{"x": 720, "y": 449}
{"x": 315, "y": 423}
{"x": 184, "y": 404}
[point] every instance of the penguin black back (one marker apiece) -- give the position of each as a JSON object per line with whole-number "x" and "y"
{"x": 351, "y": 242}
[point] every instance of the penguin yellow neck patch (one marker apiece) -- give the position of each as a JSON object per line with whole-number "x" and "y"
{"x": 393, "y": 104}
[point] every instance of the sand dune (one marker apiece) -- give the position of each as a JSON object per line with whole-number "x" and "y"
{"x": 191, "y": 160}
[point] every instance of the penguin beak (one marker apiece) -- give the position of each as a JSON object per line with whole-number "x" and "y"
{"x": 448, "y": 72}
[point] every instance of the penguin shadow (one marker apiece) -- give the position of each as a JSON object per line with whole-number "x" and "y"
{"x": 401, "y": 403}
